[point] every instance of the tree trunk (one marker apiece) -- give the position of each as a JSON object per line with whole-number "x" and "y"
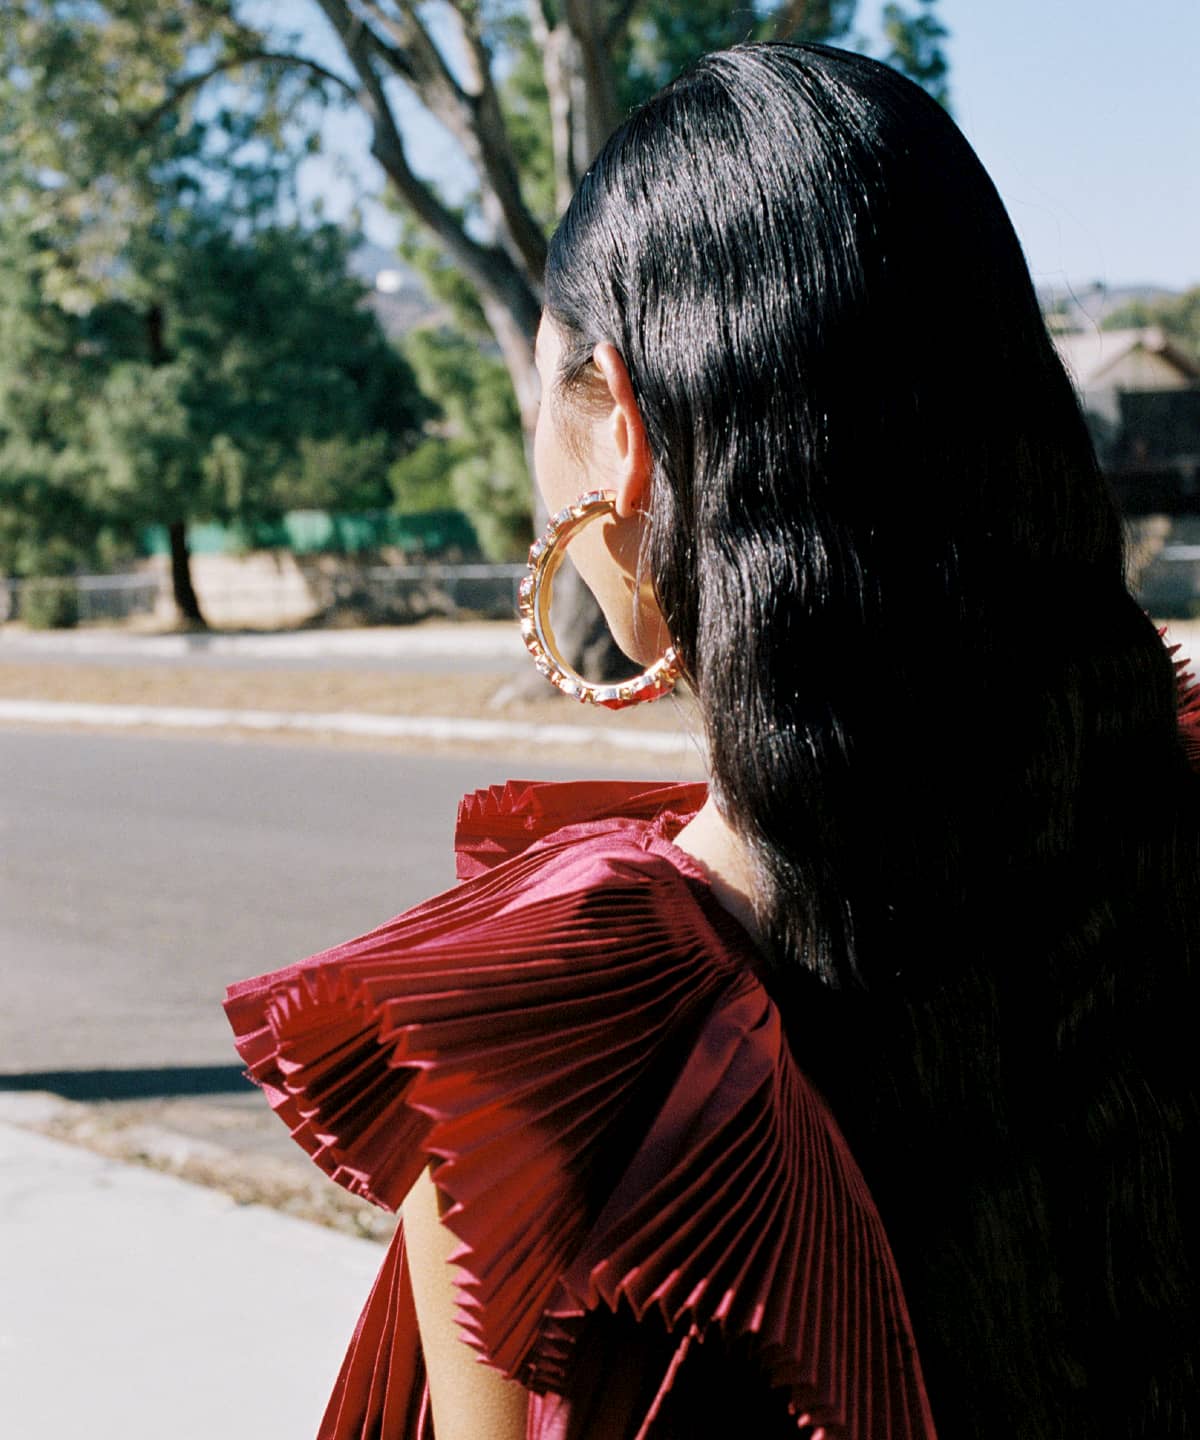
{"x": 186, "y": 602}
{"x": 182, "y": 588}
{"x": 506, "y": 266}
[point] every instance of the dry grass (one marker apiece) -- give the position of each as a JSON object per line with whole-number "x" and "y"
{"x": 190, "y": 1140}
{"x": 317, "y": 690}
{"x": 356, "y": 691}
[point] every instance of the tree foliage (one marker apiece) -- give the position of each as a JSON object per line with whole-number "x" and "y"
{"x": 53, "y": 514}
{"x": 526, "y": 88}
{"x": 238, "y": 377}
{"x": 174, "y": 352}
{"x": 104, "y": 135}
{"x": 915, "y": 46}
{"x": 269, "y": 388}
{"x": 122, "y": 121}
{"x": 1177, "y": 316}
{"x": 475, "y": 461}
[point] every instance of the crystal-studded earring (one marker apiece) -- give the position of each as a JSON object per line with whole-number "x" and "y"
{"x": 533, "y": 604}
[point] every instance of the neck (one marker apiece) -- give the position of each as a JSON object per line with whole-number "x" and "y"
{"x": 709, "y": 839}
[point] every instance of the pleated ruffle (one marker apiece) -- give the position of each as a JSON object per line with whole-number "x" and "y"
{"x": 501, "y": 821}
{"x": 588, "y": 1054}
{"x": 1188, "y": 701}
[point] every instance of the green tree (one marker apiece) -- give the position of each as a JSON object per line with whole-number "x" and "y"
{"x": 96, "y": 174}
{"x": 527, "y": 88}
{"x": 101, "y": 137}
{"x": 476, "y": 461}
{"x": 263, "y": 385}
{"x": 1177, "y": 316}
{"x": 239, "y": 377}
{"x": 53, "y": 515}
{"x": 232, "y": 369}
{"x": 915, "y": 46}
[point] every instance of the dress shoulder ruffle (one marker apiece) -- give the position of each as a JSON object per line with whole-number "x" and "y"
{"x": 578, "y": 1039}
{"x": 501, "y": 821}
{"x": 1187, "y": 693}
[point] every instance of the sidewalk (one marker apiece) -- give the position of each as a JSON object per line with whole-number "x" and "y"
{"x": 497, "y": 639}
{"x": 134, "y": 1305}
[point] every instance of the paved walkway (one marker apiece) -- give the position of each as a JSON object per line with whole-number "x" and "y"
{"x": 135, "y": 1306}
{"x": 498, "y": 640}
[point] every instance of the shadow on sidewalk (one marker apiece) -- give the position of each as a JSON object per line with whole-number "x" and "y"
{"x": 133, "y": 1084}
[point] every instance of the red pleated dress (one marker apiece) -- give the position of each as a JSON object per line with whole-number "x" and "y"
{"x": 663, "y": 1233}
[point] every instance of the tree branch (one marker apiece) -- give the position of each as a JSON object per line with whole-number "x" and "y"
{"x": 475, "y": 118}
{"x": 594, "y": 107}
{"x": 496, "y": 161}
{"x": 553, "y": 41}
{"x": 489, "y": 268}
{"x": 425, "y": 70}
{"x": 540, "y": 22}
{"x": 190, "y": 83}
{"x": 425, "y": 64}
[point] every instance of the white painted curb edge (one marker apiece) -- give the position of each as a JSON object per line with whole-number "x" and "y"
{"x": 407, "y": 727}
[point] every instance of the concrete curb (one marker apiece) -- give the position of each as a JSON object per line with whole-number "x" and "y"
{"x": 393, "y": 727}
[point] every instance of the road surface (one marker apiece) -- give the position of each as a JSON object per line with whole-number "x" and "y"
{"x": 140, "y": 875}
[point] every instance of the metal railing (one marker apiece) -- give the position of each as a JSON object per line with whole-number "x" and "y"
{"x": 380, "y": 591}
{"x": 80, "y": 597}
{"x": 486, "y": 589}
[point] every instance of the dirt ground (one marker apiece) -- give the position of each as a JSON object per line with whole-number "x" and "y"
{"x": 365, "y": 691}
{"x": 238, "y": 1147}
{"x": 345, "y": 690}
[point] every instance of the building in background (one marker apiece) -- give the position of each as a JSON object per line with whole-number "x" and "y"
{"x": 1140, "y": 390}
{"x": 1107, "y": 363}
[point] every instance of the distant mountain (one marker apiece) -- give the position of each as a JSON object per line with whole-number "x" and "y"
{"x": 367, "y": 260}
{"x": 398, "y": 295}
{"x": 1084, "y": 307}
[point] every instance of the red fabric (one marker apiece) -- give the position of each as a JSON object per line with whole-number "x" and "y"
{"x": 1188, "y": 702}
{"x": 665, "y": 1234}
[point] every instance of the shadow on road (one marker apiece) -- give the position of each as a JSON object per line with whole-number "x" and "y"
{"x": 134, "y": 1084}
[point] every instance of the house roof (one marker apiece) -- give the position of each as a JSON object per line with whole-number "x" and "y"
{"x": 1090, "y": 354}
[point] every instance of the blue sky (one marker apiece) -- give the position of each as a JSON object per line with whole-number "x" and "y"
{"x": 1087, "y": 115}
{"x": 1085, "y": 112}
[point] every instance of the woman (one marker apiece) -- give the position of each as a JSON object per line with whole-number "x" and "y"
{"x": 949, "y": 846}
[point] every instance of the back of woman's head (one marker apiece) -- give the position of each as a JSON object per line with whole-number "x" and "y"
{"x": 935, "y": 715}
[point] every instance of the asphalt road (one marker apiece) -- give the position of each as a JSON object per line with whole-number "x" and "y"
{"x": 140, "y": 875}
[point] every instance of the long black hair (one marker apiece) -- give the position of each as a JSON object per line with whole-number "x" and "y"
{"x": 936, "y": 717}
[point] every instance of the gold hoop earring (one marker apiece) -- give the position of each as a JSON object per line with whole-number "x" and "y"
{"x": 533, "y": 605}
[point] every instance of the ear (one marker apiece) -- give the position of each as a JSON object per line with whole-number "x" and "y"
{"x": 628, "y": 434}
